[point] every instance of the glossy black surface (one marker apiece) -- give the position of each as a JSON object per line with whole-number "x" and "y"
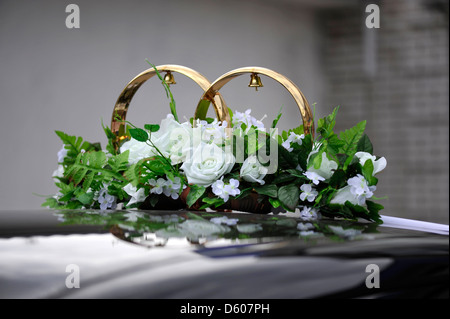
{"x": 213, "y": 255}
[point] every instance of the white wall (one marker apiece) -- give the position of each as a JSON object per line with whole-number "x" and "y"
{"x": 54, "y": 78}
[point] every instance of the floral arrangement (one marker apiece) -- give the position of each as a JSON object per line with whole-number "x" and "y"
{"x": 207, "y": 164}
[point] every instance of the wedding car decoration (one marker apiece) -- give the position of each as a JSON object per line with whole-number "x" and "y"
{"x": 231, "y": 162}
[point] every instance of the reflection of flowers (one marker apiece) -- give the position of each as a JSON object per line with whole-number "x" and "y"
{"x": 345, "y": 233}
{"x": 224, "y": 220}
{"x": 309, "y": 213}
{"x": 193, "y": 229}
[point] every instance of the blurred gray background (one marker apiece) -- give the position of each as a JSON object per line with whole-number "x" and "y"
{"x": 396, "y": 77}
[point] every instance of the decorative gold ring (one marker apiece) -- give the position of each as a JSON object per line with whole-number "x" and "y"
{"x": 222, "y": 111}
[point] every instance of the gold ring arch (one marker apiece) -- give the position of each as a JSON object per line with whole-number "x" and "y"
{"x": 123, "y": 102}
{"x": 211, "y": 94}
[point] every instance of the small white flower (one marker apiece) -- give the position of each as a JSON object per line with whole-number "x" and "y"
{"x": 240, "y": 118}
{"x": 314, "y": 177}
{"x": 107, "y": 201}
{"x": 378, "y": 165}
{"x": 308, "y": 193}
{"x": 356, "y": 192}
{"x": 233, "y": 187}
{"x": 62, "y": 153}
{"x": 172, "y": 188}
{"x": 224, "y": 191}
{"x": 217, "y": 187}
{"x": 214, "y": 132}
{"x": 292, "y": 138}
{"x": 359, "y": 187}
{"x": 309, "y": 213}
{"x": 158, "y": 185}
{"x": 137, "y": 196}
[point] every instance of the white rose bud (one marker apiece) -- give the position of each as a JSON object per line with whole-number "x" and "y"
{"x": 252, "y": 170}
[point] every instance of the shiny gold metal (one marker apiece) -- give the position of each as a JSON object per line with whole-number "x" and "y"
{"x": 123, "y": 102}
{"x": 169, "y": 79}
{"x": 255, "y": 81}
{"x": 222, "y": 111}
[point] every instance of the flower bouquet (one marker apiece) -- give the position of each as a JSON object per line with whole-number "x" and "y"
{"x": 233, "y": 162}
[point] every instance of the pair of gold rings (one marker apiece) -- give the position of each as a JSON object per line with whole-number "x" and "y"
{"x": 211, "y": 94}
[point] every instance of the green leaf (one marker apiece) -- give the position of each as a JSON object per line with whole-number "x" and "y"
{"x": 139, "y": 134}
{"x": 50, "y": 203}
{"x": 338, "y": 179}
{"x": 374, "y": 209}
{"x": 364, "y": 144}
{"x": 133, "y": 175}
{"x": 351, "y": 138}
{"x": 289, "y": 195}
{"x": 159, "y": 166}
{"x": 152, "y": 127}
{"x": 325, "y": 125}
{"x": 195, "y": 193}
{"x": 274, "y": 202}
{"x": 212, "y": 201}
{"x": 169, "y": 94}
{"x": 119, "y": 162}
{"x": 153, "y": 198}
{"x": 275, "y": 121}
{"x": 85, "y": 198}
{"x": 367, "y": 171}
{"x": 283, "y": 178}
{"x": 270, "y": 190}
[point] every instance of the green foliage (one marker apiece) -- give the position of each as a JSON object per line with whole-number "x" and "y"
{"x": 194, "y": 195}
{"x": 351, "y": 137}
{"x": 289, "y": 195}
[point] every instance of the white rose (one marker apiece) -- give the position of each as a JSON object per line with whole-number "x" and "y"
{"x": 252, "y": 170}
{"x": 378, "y": 165}
{"x": 208, "y": 163}
{"x": 137, "y": 196}
{"x": 327, "y": 167}
{"x": 173, "y": 139}
{"x": 345, "y": 194}
{"x": 138, "y": 150}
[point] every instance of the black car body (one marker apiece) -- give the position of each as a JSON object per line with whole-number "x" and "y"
{"x": 210, "y": 255}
